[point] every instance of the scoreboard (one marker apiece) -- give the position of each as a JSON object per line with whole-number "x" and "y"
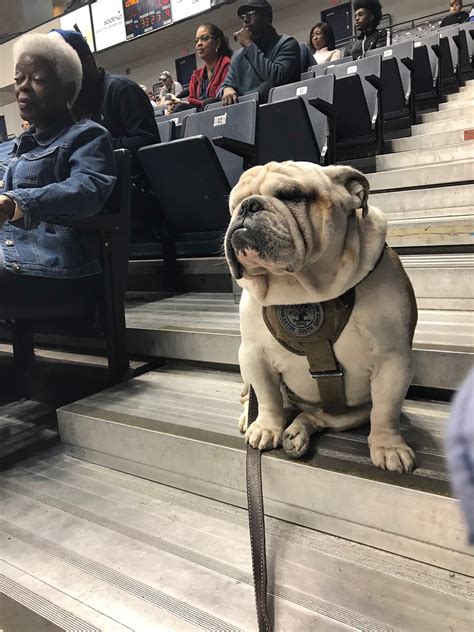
{"x": 145, "y": 16}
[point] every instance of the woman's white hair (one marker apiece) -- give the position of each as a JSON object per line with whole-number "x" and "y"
{"x": 57, "y": 51}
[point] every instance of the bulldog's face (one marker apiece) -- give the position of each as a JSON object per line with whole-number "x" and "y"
{"x": 286, "y": 215}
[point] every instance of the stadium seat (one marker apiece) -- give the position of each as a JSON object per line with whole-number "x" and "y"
{"x": 176, "y": 118}
{"x": 397, "y": 77}
{"x": 449, "y": 60}
{"x": 318, "y": 95}
{"x": 100, "y": 315}
{"x": 251, "y": 96}
{"x": 319, "y": 70}
{"x": 426, "y": 55}
{"x": 359, "y": 107}
{"x": 193, "y": 176}
{"x": 167, "y": 130}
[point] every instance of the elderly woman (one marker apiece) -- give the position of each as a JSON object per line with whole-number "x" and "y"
{"x": 56, "y": 170}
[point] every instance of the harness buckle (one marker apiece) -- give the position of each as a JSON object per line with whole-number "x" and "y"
{"x": 335, "y": 373}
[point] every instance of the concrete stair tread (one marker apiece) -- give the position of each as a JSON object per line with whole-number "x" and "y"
{"x": 203, "y": 314}
{"x": 445, "y": 125}
{"x": 410, "y": 177}
{"x": 151, "y": 425}
{"x": 316, "y": 578}
{"x": 431, "y": 138}
{"x": 441, "y": 198}
{"x": 417, "y": 157}
{"x": 464, "y": 109}
{"x": 455, "y": 105}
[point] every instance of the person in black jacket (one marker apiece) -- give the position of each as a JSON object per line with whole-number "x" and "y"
{"x": 122, "y": 107}
{"x": 117, "y": 103}
{"x": 367, "y": 17}
{"x": 456, "y": 14}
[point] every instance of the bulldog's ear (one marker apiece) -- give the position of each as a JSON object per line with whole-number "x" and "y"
{"x": 355, "y": 182}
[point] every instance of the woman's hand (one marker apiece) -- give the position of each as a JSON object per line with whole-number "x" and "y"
{"x": 7, "y": 208}
{"x": 229, "y": 96}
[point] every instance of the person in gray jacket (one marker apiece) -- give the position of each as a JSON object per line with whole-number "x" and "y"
{"x": 266, "y": 58}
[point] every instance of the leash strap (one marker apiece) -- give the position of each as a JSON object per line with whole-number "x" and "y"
{"x": 257, "y": 523}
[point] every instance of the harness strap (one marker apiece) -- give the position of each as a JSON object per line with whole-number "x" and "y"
{"x": 257, "y": 523}
{"x": 325, "y": 370}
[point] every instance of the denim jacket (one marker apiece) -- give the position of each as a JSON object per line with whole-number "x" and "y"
{"x": 64, "y": 172}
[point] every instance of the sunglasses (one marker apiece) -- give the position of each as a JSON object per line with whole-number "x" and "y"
{"x": 247, "y": 16}
{"x": 203, "y": 38}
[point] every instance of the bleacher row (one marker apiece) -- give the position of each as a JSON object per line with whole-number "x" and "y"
{"x": 339, "y": 111}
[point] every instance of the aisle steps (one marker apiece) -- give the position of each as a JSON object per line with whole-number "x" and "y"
{"x": 65, "y": 519}
{"x": 179, "y": 427}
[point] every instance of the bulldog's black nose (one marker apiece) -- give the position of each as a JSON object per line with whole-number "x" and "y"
{"x": 250, "y": 205}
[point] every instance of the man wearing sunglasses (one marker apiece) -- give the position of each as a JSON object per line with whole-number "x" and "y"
{"x": 265, "y": 59}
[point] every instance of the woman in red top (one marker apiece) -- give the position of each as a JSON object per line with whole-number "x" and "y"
{"x": 213, "y": 49}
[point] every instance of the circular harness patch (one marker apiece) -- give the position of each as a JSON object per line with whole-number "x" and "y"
{"x": 301, "y": 320}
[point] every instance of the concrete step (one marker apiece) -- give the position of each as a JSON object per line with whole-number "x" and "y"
{"x": 430, "y": 156}
{"x": 434, "y": 139}
{"x": 179, "y": 428}
{"x": 205, "y": 328}
{"x": 431, "y": 227}
{"x": 458, "y": 97}
{"x": 464, "y": 110}
{"x": 454, "y": 105}
{"x": 461, "y": 171}
{"x": 452, "y": 124}
{"x": 134, "y": 551}
{"x": 439, "y": 198}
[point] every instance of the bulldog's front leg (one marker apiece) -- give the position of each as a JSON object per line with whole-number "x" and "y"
{"x": 266, "y": 432}
{"x": 389, "y": 386}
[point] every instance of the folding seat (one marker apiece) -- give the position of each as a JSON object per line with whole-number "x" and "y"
{"x": 427, "y": 55}
{"x": 177, "y": 118}
{"x": 318, "y": 97}
{"x": 193, "y": 175}
{"x": 251, "y": 96}
{"x": 466, "y": 52}
{"x": 167, "y": 130}
{"x": 397, "y": 77}
{"x": 449, "y": 59}
{"x": 320, "y": 69}
{"x": 359, "y": 107}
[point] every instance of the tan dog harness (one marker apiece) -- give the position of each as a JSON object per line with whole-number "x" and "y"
{"x": 312, "y": 330}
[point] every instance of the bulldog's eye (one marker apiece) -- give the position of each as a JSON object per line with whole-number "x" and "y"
{"x": 291, "y": 194}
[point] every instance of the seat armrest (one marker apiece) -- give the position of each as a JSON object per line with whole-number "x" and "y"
{"x": 375, "y": 81}
{"x": 323, "y": 106}
{"x": 237, "y": 147}
{"x": 409, "y": 63}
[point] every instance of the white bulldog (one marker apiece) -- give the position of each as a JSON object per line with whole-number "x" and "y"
{"x": 303, "y": 234}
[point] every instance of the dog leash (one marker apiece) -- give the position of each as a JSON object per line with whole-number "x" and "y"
{"x": 257, "y": 523}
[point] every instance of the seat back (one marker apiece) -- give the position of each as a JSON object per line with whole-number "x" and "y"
{"x": 251, "y": 96}
{"x": 450, "y": 33}
{"x": 365, "y": 69}
{"x": 426, "y": 66}
{"x": 188, "y": 179}
{"x": 176, "y": 117}
{"x": 238, "y": 122}
{"x": 321, "y": 88}
{"x": 167, "y": 130}
{"x": 468, "y": 29}
{"x": 320, "y": 69}
{"x": 399, "y": 52}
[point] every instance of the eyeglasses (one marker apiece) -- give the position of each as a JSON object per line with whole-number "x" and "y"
{"x": 203, "y": 38}
{"x": 247, "y": 16}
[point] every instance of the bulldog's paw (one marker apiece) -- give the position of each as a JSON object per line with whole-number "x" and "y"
{"x": 263, "y": 437}
{"x": 296, "y": 441}
{"x": 393, "y": 455}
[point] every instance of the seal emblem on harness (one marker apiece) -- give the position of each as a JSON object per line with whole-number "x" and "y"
{"x": 301, "y": 320}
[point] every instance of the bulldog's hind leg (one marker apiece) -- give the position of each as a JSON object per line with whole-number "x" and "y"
{"x": 389, "y": 386}
{"x": 297, "y": 436}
